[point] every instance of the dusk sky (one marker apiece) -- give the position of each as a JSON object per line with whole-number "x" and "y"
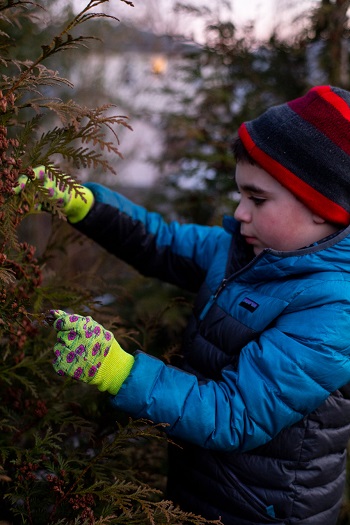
{"x": 160, "y": 17}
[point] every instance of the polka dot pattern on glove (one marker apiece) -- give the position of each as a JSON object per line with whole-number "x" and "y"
{"x": 75, "y": 203}
{"x": 81, "y": 345}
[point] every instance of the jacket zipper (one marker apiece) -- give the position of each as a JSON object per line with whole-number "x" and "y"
{"x": 222, "y": 285}
{"x": 212, "y": 299}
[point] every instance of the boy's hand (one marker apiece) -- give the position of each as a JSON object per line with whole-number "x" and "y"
{"x": 88, "y": 352}
{"x": 76, "y": 206}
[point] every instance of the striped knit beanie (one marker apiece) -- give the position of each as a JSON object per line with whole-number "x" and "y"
{"x": 305, "y": 145}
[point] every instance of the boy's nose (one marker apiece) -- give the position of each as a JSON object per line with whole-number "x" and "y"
{"x": 242, "y": 213}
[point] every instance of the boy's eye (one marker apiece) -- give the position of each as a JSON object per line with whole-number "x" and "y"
{"x": 258, "y": 201}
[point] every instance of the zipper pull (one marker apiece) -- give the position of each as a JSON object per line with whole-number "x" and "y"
{"x": 220, "y": 288}
{"x": 212, "y": 299}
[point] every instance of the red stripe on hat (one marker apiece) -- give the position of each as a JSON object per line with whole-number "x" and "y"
{"x": 328, "y": 113}
{"x": 331, "y": 97}
{"x": 315, "y": 201}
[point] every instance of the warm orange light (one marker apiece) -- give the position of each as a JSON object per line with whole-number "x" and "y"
{"x": 159, "y": 65}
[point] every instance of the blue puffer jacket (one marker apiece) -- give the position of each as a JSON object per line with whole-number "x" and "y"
{"x": 260, "y": 407}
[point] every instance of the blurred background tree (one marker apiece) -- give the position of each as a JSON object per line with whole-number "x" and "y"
{"x": 234, "y": 76}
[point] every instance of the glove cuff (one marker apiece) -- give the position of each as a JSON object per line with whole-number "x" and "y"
{"x": 115, "y": 368}
{"x": 77, "y": 209}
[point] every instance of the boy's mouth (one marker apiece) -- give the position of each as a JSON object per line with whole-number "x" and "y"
{"x": 249, "y": 239}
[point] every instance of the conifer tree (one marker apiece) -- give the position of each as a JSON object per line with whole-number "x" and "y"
{"x": 64, "y": 458}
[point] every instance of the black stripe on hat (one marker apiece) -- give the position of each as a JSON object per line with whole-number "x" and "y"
{"x": 305, "y": 151}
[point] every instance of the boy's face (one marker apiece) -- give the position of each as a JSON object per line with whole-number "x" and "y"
{"x": 270, "y": 215}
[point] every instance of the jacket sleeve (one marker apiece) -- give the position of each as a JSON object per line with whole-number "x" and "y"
{"x": 286, "y": 374}
{"x": 173, "y": 252}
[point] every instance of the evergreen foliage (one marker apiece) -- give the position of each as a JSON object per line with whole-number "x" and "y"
{"x": 233, "y": 78}
{"x": 63, "y": 457}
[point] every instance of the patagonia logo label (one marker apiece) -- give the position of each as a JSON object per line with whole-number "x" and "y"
{"x": 249, "y": 304}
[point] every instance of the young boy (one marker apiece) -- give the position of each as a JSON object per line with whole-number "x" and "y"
{"x": 259, "y": 409}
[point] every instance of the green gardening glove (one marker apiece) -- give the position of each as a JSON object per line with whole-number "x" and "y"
{"x": 88, "y": 352}
{"x": 75, "y": 205}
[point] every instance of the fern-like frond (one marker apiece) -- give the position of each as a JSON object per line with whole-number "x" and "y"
{"x": 3, "y": 475}
{"x": 8, "y": 228}
{"x": 87, "y": 127}
{"x": 26, "y": 133}
{"x": 137, "y": 504}
{"x": 7, "y": 427}
{"x": 33, "y": 77}
{"x": 47, "y": 442}
{"x": 7, "y": 276}
{"x": 11, "y": 375}
{"x": 85, "y": 15}
{"x": 69, "y": 112}
{"x": 65, "y": 41}
{"x": 7, "y": 4}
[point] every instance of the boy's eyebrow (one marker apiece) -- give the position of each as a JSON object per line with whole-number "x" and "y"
{"x": 252, "y": 188}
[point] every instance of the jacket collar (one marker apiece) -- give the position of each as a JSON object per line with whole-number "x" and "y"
{"x": 330, "y": 253}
